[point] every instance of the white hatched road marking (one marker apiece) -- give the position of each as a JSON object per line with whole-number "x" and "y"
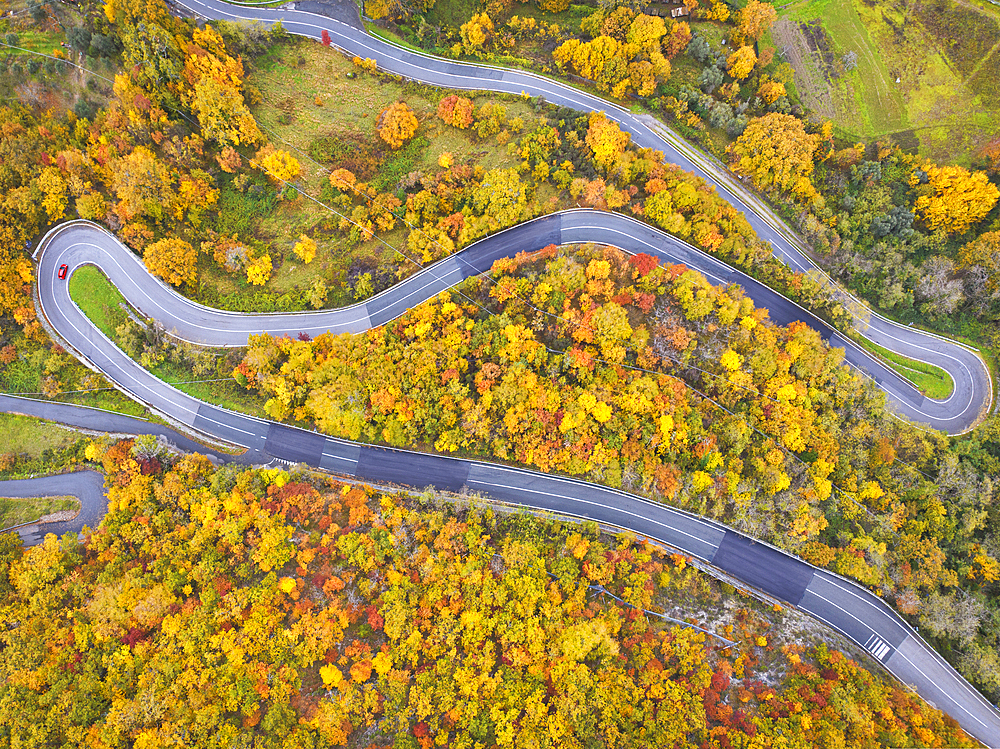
{"x": 877, "y": 646}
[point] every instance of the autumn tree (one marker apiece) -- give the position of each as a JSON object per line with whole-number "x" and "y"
{"x": 456, "y": 111}
{"x": 755, "y": 18}
{"x": 397, "y": 124}
{"x": 229, "y": 160}
{"x": 222, "y": 113}
{"x": 54, "y": 189}
{"x": 770, "y": 91}
{"x": 677, "y": 39}
{"x": 606, "y": 139}
{"x": 617, "y": 66}
{"x": 279, "y": 166}
{"x": 991, "y": 152}
{"x": 501, "y": 198}
{"x": 259, "y": 268}
{"x": 476, "y": 33}
{"x": 305, "y": 248}
{"x": 952, "y": 198}
{"x": 984, "y": 253}
{"x": 740, "y": 63}
{"x": 553, "y": 6}
{"x": 775, "y": 151}
{"x": 214, "y": 90}
{"x": 646, "y": 31}
{"x": 91, "y": 206}
{"x": 142, "y": 183}
{"x": 173, "y": 260}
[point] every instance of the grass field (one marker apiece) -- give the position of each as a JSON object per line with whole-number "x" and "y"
{"x": 307, "y": 97}
{"x": 24, "y": 434}
{"x": 932, "y": 381}
{"x": 867, "y": 98}
{"x": 945, "y": 55}
{"x": 101, "y": 301}
{"x": 15, "y": 511}
{"x": 98, "y": 298}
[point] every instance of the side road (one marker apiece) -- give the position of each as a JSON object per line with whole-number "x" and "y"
{"x": 87, "y": 486}
{"x": 99, "y": 420}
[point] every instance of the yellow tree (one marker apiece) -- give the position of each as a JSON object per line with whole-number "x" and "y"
{"x": 606, "y": 140}
{"x": 397, "y": 124}
{"x": 954, "y": 198}
{"x": 214, "y": 90}
{"x": 775, "y": 151}
{"x": 259, "y": 269}
{"x": 770, "y": 91}
{"x": 278, "y": 165}
{"x": 501, "y": 197}
{"x": 222, "y": 113}
{"x": 142, "y": 183}
{"x": 646, "y": 31}
{"x": 173, "y": 260}
{"x": 476, "y": 32}
{"x": 343, "y": 180}
{"x": 53, "y": 187}
{"x": 305, "y": 248}
{"x": 755, "y": 18}
{"x": 15, "y": 273}
{"x": 91, "y": 206}
{"x": 984, "y": 252}
{"x": 740, "y": 63}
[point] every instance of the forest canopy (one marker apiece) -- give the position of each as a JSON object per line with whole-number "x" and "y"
{"x": 233, "y": 606}
{"x": 593, "y": 363}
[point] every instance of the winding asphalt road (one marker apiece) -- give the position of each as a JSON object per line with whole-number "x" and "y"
{"x": 79, "y": 243}
{"x": 98, "y": 420}
{"x": 839, "y": 603}
{"x": 973, "y": 393}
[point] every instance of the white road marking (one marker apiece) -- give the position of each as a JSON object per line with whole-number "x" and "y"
{"x": 671, "y": 528}
{"x": 877, "y": 646}
{"x": 338, "y": 457}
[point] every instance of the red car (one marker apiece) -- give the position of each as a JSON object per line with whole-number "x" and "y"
{"x": 63, "y": 269}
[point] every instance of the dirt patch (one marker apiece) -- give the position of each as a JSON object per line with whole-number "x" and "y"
{"x": 59, "y": 517}
{"x": 820, "y": 47}
{"x": 907, "y": 140}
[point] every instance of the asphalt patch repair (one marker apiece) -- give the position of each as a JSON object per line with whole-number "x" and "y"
{"x": 763, "y": 567}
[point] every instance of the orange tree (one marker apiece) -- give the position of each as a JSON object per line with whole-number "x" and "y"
{"x": 397, "y": 124}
